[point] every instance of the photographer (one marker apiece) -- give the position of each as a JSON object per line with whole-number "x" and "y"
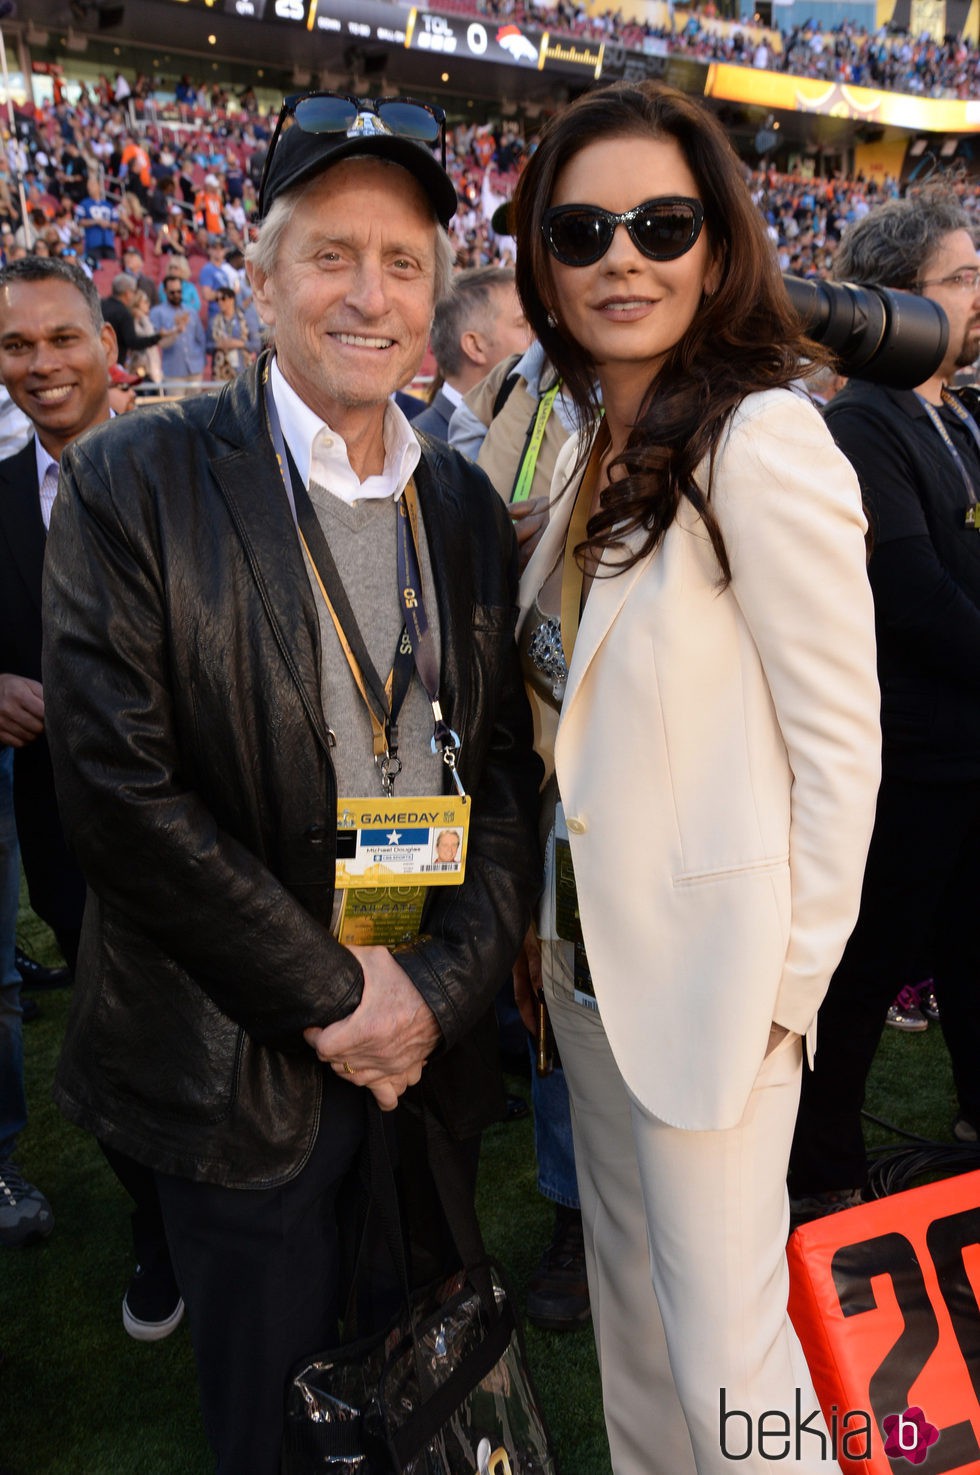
{"x": 917, "y": 454}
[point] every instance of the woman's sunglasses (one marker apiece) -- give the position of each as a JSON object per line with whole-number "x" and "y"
{"x": 663, "y": 229}
{"x": 334, "y": 112}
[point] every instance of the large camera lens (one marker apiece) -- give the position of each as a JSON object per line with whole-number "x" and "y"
{"x": 893, "y": 338}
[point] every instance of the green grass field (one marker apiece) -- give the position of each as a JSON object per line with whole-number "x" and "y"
{"x": 79, "y": 1397}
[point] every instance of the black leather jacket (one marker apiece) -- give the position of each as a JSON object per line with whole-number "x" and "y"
{"x": 181, "y": 674}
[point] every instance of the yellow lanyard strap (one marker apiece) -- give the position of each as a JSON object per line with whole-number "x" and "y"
{"x": 529, "y": 460}
{"x": 379, "y": 737}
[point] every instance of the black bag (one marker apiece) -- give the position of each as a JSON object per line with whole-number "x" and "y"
{"x": 446, "y": 1389}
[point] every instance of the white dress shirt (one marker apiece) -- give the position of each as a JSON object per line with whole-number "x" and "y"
{"x": 47, "y": 477}
{"x": 47, "y": 481}
{"x": 320, "y": 453}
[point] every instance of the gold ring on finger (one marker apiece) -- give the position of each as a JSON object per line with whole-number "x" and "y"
{"x": 349, "y": 1069}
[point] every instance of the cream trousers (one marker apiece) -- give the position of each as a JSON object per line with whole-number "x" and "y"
{"x": 685, "y": 1236}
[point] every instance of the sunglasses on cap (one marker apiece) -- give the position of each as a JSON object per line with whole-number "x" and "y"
{"x": 663, "y": 229}
{"x": 337, "y": 113}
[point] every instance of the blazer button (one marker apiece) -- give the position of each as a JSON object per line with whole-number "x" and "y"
{"x": 575, "y": 825}
{"x": 315, "y": 835}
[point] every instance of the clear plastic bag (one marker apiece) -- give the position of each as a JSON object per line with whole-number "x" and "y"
{"x": 455, "y": 1398}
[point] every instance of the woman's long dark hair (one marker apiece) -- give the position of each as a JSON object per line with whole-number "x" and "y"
{"x": 744, "y": 337}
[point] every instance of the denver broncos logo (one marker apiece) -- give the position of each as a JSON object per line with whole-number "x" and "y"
{"x": 513, "y": 40}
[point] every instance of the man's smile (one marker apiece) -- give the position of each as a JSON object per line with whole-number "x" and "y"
{"x": 361, "y": 340}
{"x": 53, "y": 394}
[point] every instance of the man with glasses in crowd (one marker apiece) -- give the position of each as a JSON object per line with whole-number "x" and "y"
{"x": 226, "y": 582}
{"x": 183, "y": 353}
{"x": 917, "y": 454}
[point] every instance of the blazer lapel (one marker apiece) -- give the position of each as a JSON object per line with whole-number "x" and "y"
{"x": 606, "y": 598}
{"x": 252, "y": 487}
{"x": 20, "y": 518}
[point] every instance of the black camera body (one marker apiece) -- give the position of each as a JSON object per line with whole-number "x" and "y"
{"x": 893, "y": 338}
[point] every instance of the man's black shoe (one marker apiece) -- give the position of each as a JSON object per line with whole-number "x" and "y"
{"x": 152, "y": 1306}
{"x": 558, "y": 1291}
{"x": 516, "y": 1109}
{"x": 36, "y": 975}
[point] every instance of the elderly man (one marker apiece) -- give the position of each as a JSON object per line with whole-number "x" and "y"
{"x": 133, "y": 265}
{"x": 117, "y": 309}
{"x": 226, "y": 581}
{"x": 479, "y": 322}
{"x": 918, "y": 457}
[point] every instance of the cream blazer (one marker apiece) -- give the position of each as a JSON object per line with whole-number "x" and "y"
{"x": 718, "y": 756}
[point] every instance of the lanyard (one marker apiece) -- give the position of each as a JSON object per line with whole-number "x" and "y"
{"x": 963, "y": 415}
{"x": 953, "y": 402}
{"x": 418, "y": 632}
{"x": 383, "y": 699}
{"x": 532, "y": 445}
{"x": 572, "y": 573}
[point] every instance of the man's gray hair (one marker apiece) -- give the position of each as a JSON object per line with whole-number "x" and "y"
{"x": 892, "y": 245}
{"x": 469, "y": 304}
{"x": 263, "y": 252}
{"x": 122, "y": 283}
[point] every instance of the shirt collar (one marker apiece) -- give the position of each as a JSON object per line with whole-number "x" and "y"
{"x": 43, "y": 461}
{"x": 320, "y": 453}
{"x": 454, "y": 396}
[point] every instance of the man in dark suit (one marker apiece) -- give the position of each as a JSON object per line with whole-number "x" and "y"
{"x": 117, "y": 310}
{"x": 55, "y": 354}
{"x": 477, "y": 323}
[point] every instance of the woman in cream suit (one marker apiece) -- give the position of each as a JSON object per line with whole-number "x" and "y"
{"x": 703, "y": 670}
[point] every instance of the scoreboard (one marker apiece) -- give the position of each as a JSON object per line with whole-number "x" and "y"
{"x": 470, "y": 37}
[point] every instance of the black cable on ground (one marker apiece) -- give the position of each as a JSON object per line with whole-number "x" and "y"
{"x": 893, "y": 1169}
{"x": 891, "y": 1127}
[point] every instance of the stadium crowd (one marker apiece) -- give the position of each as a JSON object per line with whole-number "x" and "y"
{"x": 160, "y": 218}
{"x": 182, "y": 202}
{"x": 99, "y": 189}
{"x": 891, "y": 60}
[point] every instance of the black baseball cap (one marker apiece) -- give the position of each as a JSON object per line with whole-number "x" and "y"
{"x": 299, "y": 156}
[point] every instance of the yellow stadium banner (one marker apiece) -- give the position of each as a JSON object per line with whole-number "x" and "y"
{"x": 780, "y": 90}
{"x": 879, "y": 160}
